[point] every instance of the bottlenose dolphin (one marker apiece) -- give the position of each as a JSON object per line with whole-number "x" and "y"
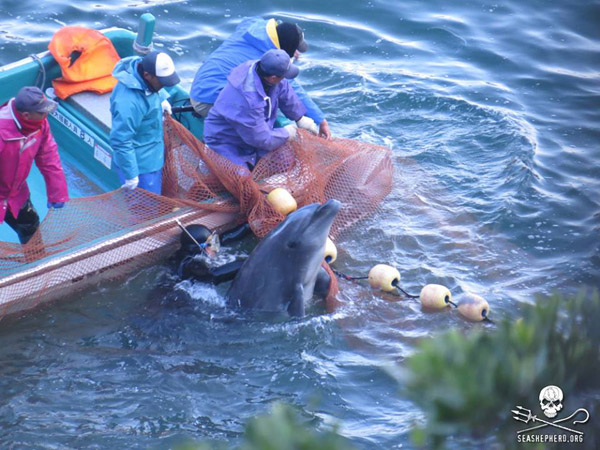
{"x": 280, "y": 274}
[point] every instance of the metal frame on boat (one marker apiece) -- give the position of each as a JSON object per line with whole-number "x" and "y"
{"x": 114, "y": 257}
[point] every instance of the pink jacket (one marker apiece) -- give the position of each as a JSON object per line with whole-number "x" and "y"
{"x": 17, "y": 153}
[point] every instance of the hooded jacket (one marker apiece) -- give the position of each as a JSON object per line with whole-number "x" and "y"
{"x": 17, "y": 153}
{"x": 136, "y": 136}
{"x": 240, "y": 124}
{"x": 249, "y": 41}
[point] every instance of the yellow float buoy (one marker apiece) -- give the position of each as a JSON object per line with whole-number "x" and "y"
{"x": 330, "y": 251}
{"x": 384, "y": 277}
{"x": 282, "y": 201}
{"x": 435, "y": 296}
{"x": 474, "y": 307}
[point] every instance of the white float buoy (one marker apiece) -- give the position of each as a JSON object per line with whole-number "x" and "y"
{"x": 282, "y": 201}
{"x": 435, "y": 296}
{"x": 384, "y": 277}
{"x": 330, "y": 251}
{"x": 474, "y": 307}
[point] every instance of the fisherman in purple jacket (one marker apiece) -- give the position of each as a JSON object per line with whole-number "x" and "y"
{"x": 240, "y": 126}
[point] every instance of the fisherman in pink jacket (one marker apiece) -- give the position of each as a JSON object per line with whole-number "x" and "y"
{"x": 24, "y": 137}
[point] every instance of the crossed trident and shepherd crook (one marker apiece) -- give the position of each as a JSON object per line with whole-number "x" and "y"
{"x": 551, "y": 402}
{"x": 524, "y": 415}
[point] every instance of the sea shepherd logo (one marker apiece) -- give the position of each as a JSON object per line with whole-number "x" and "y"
{"x": 551, "y": 402}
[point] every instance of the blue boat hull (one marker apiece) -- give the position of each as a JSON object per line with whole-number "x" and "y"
{"x": 81, "y": 127}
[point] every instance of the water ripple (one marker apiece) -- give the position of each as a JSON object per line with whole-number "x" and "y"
{"x": 491, "y": 112}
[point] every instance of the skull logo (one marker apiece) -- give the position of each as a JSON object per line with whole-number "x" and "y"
{"x": 551, "y": 398}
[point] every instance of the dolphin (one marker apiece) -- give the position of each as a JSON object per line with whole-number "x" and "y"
{"x": 280, "y": 274}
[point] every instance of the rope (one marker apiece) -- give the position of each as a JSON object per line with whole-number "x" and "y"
{"x": 347, "y": 277}
{"x": 42, "y": 72}
{"x": 395, "y": 284}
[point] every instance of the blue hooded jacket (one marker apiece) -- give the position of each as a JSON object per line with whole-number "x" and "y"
{"x": 249, "y": 42}
{"x": 240, "y": 124}
{"x": 136, "y": 136}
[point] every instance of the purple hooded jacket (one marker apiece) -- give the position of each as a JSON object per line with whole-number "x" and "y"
{"x": 240, "y": 124}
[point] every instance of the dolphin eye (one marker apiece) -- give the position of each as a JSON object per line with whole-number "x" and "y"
{"x": 292, "y": 244}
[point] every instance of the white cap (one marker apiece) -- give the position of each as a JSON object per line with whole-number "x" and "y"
{"x": 161, "y": 65}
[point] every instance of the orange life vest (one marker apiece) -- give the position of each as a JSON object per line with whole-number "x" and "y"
{"x": 86, "y": 58}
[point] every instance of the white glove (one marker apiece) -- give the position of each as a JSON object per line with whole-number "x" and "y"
{"x": 166, "y": 106}
{"x": 131, "y": 184}
{"x": 292, "y": 129}
{"x": 308, "y": 124}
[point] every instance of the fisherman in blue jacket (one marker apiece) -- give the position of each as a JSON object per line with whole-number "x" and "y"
{"x": 240, "y": 125}
{"x": 252, "y": 38}
{"x": 136, "y": 105}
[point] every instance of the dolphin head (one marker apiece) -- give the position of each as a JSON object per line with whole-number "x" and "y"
{"x": 305, "y": 231}
{"x": 281, "y": 272}
{"x": 300, "y": 240}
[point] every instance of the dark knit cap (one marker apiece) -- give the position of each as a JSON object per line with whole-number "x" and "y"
{"x": 291, "y": 38}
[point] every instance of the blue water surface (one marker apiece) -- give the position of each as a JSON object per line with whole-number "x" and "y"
{"x": 492, "y": 112}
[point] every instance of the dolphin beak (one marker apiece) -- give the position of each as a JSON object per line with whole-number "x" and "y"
{"x": 327, "y": 211}
{"x": 330, "y": 206}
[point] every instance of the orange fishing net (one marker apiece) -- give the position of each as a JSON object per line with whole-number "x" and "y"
{"x": 311, "y": 168}
{"x": 92, "y": 239}
{"x": 111, "y": 235}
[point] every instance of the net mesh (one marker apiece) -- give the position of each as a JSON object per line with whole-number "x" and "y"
{"x": 110, "y": 235}
{"x": 312, "y": 169}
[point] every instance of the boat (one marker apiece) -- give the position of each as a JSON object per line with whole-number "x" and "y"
{"x": 138, "y": 229}
{"x": 81, "y": 127}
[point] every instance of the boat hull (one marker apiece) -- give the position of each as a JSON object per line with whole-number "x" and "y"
{"x": 81, "y": 128}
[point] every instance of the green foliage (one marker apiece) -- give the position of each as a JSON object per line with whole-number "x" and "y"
{"x": 193, "y": 445}
{"x": 470, "y": 383}
{"x": 282, "y": 430}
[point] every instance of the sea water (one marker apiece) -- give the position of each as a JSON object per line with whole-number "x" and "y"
{"x": 491, "y": 110}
